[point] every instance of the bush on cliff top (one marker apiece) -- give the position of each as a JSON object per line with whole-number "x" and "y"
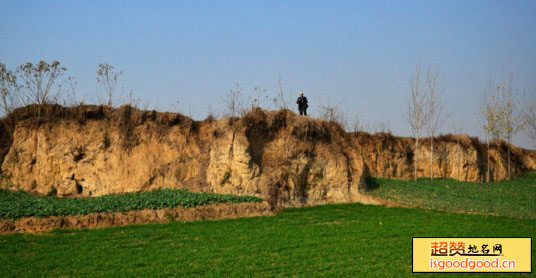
{"x": 20, "y": 204}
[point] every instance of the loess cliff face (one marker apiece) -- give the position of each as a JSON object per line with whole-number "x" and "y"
{"x": 284, "y": 158}
{"x": 457, "y": 157}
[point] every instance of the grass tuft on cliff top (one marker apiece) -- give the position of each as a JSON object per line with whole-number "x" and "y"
{"x": 515, "y": 198}
{"x": 19, "y": 204}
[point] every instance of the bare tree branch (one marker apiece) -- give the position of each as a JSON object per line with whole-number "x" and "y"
{"x": 107, "y": 78}
{"x": 435, "y": 113}
{"x": 511, "y": 118}
{"x": 357, "y": 124}
{"x": 39, "y": 79}
{"x": 415, "y": 116}
{"x": 530, "y": 121}
{"x": 10, "y": 91}
{"x": 233, "y": 102}
{"x": 332, "y": 112}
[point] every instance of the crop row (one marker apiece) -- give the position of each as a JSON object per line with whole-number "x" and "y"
{"x": 19, "y": 204}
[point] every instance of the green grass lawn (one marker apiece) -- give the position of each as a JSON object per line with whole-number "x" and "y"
{"x": 516, "y": 198}
{"x": 333, "y": 241}
{"x": 19, "y": 204}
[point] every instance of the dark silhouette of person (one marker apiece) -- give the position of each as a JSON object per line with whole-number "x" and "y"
{"x": 302, "y": 104}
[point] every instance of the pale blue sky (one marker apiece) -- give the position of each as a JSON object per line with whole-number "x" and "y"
{"x": 362, "y": 52}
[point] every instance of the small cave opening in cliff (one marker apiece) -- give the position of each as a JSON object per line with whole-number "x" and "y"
{"x": 77, "y": 185}
{"x": 78, "y": 154}
{"x": 79, "y": 188}
{"x": 78, "y": 157}
{"x": 409, "y": 156}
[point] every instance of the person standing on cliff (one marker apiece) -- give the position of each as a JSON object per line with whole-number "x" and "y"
{"x": 302, "y": 104}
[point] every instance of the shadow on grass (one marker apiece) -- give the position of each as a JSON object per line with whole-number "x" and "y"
{"x": 372, "y": 183}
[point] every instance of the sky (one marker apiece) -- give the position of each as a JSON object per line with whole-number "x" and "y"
{"x": 358, "y": 54}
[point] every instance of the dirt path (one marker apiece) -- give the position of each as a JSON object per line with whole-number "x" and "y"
{"x": 108, "y": 219}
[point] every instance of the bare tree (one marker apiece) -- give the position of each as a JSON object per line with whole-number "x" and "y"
{"x": 259, "y": 98}
{"x": 280, "y": 99}
{"x": 457, "y": 131}
{"x": 39, "y": 79}
{"x": 10, "y": 90}
{"x": 233, "y": 102}
{"x": 212, "y": 113}
{"x": 381, "y": 126}
{"x": 356, "y": 124}
{"x": 511, "y": 117}
{"x": 435, "y": 113}
{"x": 415, "y": 115}
{"x": 332, "y": 112}
{"x": 530, "y": 121}
{"x": 490, "y": 110}
{"x": 131, "y": 100}
{"x": 10, "y": 97}
{"x": 107, "y": 78}
{"x": 70, "y": 97}
{"x": 177, "y": 107}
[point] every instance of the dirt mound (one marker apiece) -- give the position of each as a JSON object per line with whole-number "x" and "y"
{"x": 459, "y": 157}
{"x": 101, "y": 220}
{"x": 287, "y": 159}
{"x": 284, "y": 158}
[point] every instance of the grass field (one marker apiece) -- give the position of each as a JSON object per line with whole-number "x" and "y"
{"x": 516, "y": 198}
{"x": 332, "y": 241}
{"x": 19, "y": 204}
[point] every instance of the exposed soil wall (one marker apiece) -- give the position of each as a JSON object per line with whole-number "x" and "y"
{"x": 279, "y": 156}
{"x": 101, "y": 220}
{"x": 457, "y": 157}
